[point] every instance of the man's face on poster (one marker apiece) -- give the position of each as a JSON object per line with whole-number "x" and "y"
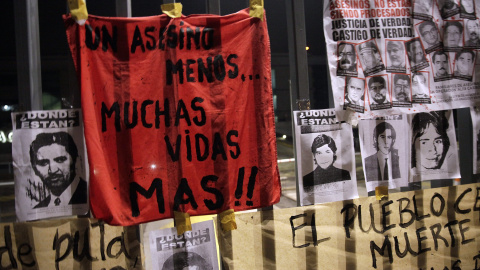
{"x": 465, "y": 64}
{"x": 468, "y": 5}
{"x": 422, "y": 6}
{"x": 416, "y": 52}
{"x": 452, "y": 36}
{"x": 355, "y": 89}
{"x": 419, "y": 84}
{"x": 441, "y": 65}
{"x": 430, "y": 146}
{"x": 54, "y": 165}
{"x": 473, "y": 30}
{"x": 369, "y": 57}
{"x": 324, "y": 156}
{"x": 378, "y": 92}
{"x": 430, "y": 34}
{"x": 346, "y": 54}
{"x": 402, "y": 89}
{"x": 396, "y": 53}
{"x": 385, "y": 141}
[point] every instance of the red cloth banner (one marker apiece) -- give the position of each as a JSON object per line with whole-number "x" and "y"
{"x": 178, "y": 114}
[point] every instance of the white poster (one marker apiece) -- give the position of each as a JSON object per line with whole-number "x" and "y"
{"x": 475, "y": 113}
{"x": 195, "y": 249}
{"x": 325, "y": 157}
{"x": 434, "y": 153}
{"x": 49, "y": 161}
{"x": 384, "y": 148}
{"x": 394, "y": 57}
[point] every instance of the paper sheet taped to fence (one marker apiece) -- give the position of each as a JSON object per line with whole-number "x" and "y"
{"x": 424, "y": 229}
{"x": 390, "y": 57}
{"x": 68, "y": 244}
{"x": 178, "y": 114}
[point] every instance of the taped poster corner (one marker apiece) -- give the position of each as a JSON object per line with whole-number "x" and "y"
{"x": 256, "y": 9}
{"x": 381, "y": 192}
{"x": 182, "y": 222}
{"x": 78, "y": 10}
{"x": 173, "y": 10}
{"x": 227, "y": 219}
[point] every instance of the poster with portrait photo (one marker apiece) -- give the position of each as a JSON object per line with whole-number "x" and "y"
{"x": 430, "y": 36}
{"x": 421, "y": 87}
{"x": 416, "y": 55}
{"x": 464, "y": 63}
{"x": 50, "y": 164}
{"x": 422, "y": 10}
{"x": 195, "y": 249}
{"x": 325, "y": 157}
{"x": 347, "y": 59}
{"x": 475, "y": 113}
{"x": 448, "y": 8}
{"x": 370, "y": 57}
{"x": 472, "y": 34}
{"x": 378, "y": 94}
{"x": 384, "y": 149}
{"x": 452, "y": 35}
{"x": 401, "y": 90}
{"x": 441, "y": 66}
{"x": 467, "y": 9}
{"x": 396, "y": 56}
{"x": 434, "y": 153}
{"x": 355, "y": 94}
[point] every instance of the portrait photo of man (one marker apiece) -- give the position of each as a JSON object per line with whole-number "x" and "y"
{"x": 464, "y": 61}
{"x": 396, "y": 56}
{"x": 378, "y": 93}
{"x": 441, "y": 66}
{"x": 347, "y": 60}
{"x": 422, "y": 10}
{"x": 448, "y": 8}
{"x": 430, "y": 141}
{"x": 186, "y": 260}
{"x": 472, "y": 34}
{"x": 355, "y": 94}
{"x": 467, "y": 9}
{"x": 416, "y": 55}
{"x": 430, "y": 36}
{"x": 420, "y": 89}
{"x": 401, "y": 90}
{"x": 384, "y": 164}
{"x": 370, "y": 58}
{"x": 452, "y": 36}
{"x": 53, "y": 158}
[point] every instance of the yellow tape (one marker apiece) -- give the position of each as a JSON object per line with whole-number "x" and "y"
{"x": 78, "y": 9}
{"x": 182, "y": 222}
{"x": 227, "y": 219}
{"x": 381, "y": 193}
{"x": 256, "y": 9}
{"x": 173, "y": 10}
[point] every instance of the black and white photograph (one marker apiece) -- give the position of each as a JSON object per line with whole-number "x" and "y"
{"x": 441, "y": 66}
{"x": 326, "y": 162}
{"x": 448, "y": 8}
{"x": 378, "y": 93}
{"x": 467, "y": 9}
{"x": 463, "y": 66}
{"x": 396, "y": 56}
{"x": 370, "y": 57}
{"x": 355, "y": 94}
{"x": 383, "y": 144}
{"x": 475, "y": 113}
{"x": 421, "y": 87}
{"x": 347, "y": 59}
{"x": 472, "y": 34}
{"x": 401, "y": 90}
{"x": 452, "y": 36}
{"x": 433, "y": 153}
{"x": 416, "y": 55}
{"x": 430, "y": 36}
{"x": 422, "y": 10}
{"x": 49, "y": 164}
{"x": 195, "y": 249}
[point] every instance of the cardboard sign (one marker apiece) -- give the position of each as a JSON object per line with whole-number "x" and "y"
{"x": 178, "y": 114}
{"x": 68, "y": 244}
{"x": 424, "y": 229}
